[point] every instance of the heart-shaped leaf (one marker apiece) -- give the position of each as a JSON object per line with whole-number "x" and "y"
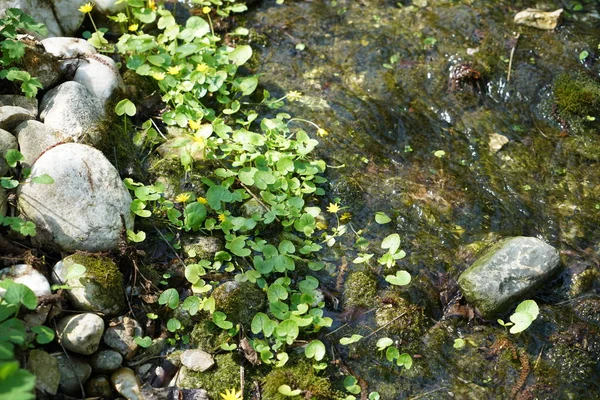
{"x": 401, "y": 278}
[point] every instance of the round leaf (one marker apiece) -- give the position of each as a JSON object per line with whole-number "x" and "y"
{"x": 287, "y": 391}
{"x": 401, "y": 278}
{"x": 316, "y": 350}
{"x": 381, "y": 218}
{"x": 125, "y": 106}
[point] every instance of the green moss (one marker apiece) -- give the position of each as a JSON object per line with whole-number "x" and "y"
{"x": 360, "y": 290}
{"x": 584, "y": 282}
{"x": 299, "y": 376}
{"x": 399, "y": 317}
{"x": 207, "y": 336}
{"x": 239, "y": 301}
{"x": 104, "y": 280}
{"x": 579, "y": 95}
{"x": 225, "y": 375}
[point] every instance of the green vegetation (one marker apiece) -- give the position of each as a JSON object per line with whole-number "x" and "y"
{"x": 13, "y": 50}
{"x": 576, "y": 95}
{"x": 15, "y": 382}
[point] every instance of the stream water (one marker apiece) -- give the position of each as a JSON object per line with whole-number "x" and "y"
{"x": 381, "y": 77}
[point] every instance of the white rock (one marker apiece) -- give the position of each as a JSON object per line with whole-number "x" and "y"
{"x": 40, "y": 11}
{"x": 197, "y": 360}
{"x": 110, "y": 6}
{"x": 30, "y": 104}
{"x": 100, "y": 75}
{"x": 68, "y": 47}
{"x": 34, "y": 138}
{"x": 538, "y": 18}
{"x": 68, "y": 15}
{"x": 85, "y": 207}
{"x": 496, "y": 142}
{"x": 28, "y": 276}
{"x": 81, "y": 333}
{"x": 71, "y": 109}
{"x": 127, "y": 384}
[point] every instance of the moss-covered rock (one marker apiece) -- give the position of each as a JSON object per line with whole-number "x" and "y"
{"x": 576, "y": 95}
{"x": 224, "y": 376}
{"x": 399, "y": 317}
{"x": 207, "y": 336}
{"x": 99, "y": 289}
{"x": 239, "y": 301}
{"x": 300, "y": 376}
{"x": 360, "y": 290}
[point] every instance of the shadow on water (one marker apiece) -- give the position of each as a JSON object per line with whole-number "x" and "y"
{"x": 455, "y": 159}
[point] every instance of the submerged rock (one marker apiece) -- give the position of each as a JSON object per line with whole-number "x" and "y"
{"x": 99, "y": 288}
{"x": 239, "y": 301}
{"x": 106, "y": 361}
{"x": 86, "y": 208}
{"x": 512, "y": 270}
{"x": 127, "y": 384}
{"x": 121, "y": 335}
{"x": 73, "y": 372}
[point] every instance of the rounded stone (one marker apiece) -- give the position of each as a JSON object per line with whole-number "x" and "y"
{"x": 100, "y": 75}
{"x": 121, "y": 335}
{"x": 11, "y": 116}
{"x": 127, "y": 384}
{"x": 73, "y": 371}
{"x": 100, "y": 387}
{"x": 197, "y": 360}
{"x": 74, "y": 111}
{"x": 28, "y": 276}
{"x": 106, "y": 361}
{"x": 34, "y": 138}
{"x": 99, "y": 288}
{"x": 86, "y": 208}
{"x": 81, "y": 333}
{"x": 7, "y": 142}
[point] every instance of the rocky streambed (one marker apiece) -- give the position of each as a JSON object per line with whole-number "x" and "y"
{"x": 491, "y": 184}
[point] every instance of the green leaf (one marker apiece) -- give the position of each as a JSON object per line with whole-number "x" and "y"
{"x": 263, "y": 178}
{"x": 12, "y": 157}
{"x": 351, "y": 385}
{"x": 173, "y": 325}
{"x": 192, "y": 305}
{"x": 125, "y": 106}
{"x": 248, "y": 85}
{"x": 521, "y": 321}
{"x": 170, "y": 297}
{"x": 8, "y": 183}
{"x": 18, "y": 385}
{"x": 392, "y": 353}
{"x": 228, "y": 347}
{"x": 391, "y": 242}
{"x": 238, "y": 246}
{"x": 349, "y": 340}
{"x": 136, "y": 237}
{"x": 262, "y": 323}
{"x": 530, "y": 307}
{"x": 27, "y": 229}
{"x": 384, "y": 343}
{"x": 459, "y": 343}
{"x": 44, "y": 335}
{"x": 401, "y": 278}
{"x": 404, "y": 360}
{"x": 287, "y": 391}
{"x": 240, "y": 54}
{"x": 74, "y": 271}
{"x": 43, "y": 179}
{"x": 220, "y": 320}
{"x": 381, "y": 218}
{"x": 439, "y": 153}
{"x": 144, "y": 342}
{"x": 287, "y": 329}
{"x": 283, "y": 359}
{"x": 276, "y": 292}
{"x": 14, "y": 49}
{"x": 13, "y": 330}
{"x": 194, "y": 216}
{"x": 315, "y": 349}
{"x": 17, "y": 293}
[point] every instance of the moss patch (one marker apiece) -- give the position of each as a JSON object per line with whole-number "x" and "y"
{"x": 360, "y": 290}
{"x": 217, "y": 380}
{"x": 240, "y": 301}
{"x": 300, "y": 376}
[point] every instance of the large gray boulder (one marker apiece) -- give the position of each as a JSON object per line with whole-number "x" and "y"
{"x": 511, "y": 271}
{"x": 71, "y": 109}
{"x": 86, "y": 208}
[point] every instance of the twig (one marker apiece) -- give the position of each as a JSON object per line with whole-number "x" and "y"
{"x": 382, "y": 327}
{"x": 242, "y": 375}
{"x": 426, "y": 393}
{"x": 512, "y": 53}
{"x": 71, "y": 365}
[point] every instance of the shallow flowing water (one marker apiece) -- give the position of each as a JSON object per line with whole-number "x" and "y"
{"x": 379, "y": 76}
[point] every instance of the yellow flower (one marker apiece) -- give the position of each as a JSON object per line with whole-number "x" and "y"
{"x": 194, "y": 125}
{"x": 159, "y": 76}
{"x": 202, "y": 67}
{"x": 202, "y": 200}
{"x": 133, "y": 27}
{"x": 231, "y": 395}
{"x": 294, "y": 95}
{"x": 182, "y": 197}
{"x": 345, "y": 216}
{"x": 86, "y": 8}
{"x": 152, "y": 5}
{"x": 222, "y": 218}
{"x": 206, "y": 10}
{"x": 333, "y": 208}
{"x": 322, "y": 132}
{"x": 174, "y": 70}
